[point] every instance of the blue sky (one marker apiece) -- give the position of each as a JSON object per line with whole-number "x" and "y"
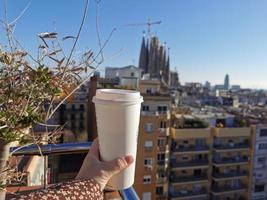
{"x": 207, "y": 38}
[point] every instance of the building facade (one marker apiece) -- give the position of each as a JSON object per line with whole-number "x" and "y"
{"x": 127, "y": 76}
{"x": 151, "y": 178}
{"x": 212, "y": 163}
{"x": 259, "y": 180}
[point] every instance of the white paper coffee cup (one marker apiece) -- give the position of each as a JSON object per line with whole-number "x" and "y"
{"x": 117, "y": 116}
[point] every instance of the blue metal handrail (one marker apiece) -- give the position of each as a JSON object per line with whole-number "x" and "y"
{"x": 65, "y": 148}
{"x": 51, "y": 149}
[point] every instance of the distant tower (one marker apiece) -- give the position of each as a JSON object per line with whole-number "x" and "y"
{"x": 143, "y": 59}
{"x": 226, "y": 82}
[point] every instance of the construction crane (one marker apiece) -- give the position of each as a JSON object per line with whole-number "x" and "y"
{"x": 148, "y": 24}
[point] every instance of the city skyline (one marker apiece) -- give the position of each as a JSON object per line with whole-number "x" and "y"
{"x": 207, "y": 39}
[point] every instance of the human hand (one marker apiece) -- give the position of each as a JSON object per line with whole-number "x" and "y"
{"x": 100, "y": 171}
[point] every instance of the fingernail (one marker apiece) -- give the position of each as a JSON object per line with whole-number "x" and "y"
{"x": 129, "y": 159}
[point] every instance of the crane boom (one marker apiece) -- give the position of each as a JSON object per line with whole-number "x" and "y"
{"x": 148, "y": 24}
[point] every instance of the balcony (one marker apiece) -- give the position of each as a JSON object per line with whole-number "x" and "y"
{"x": 229, "y": 175}
{"x": 188, "y": 179}
{"x": 161, "y": 180}
{"x": 188, "y": 194}
{"x": 231, "y": 161}
{"x": 191, "y": 149}
{"x": 155, "y": 113}
{"x": 68, "y": 148}
{"x": 227, "y": 189}
{"x": 161, "y": 196}
{"x": 231, "y": 146}
{"x": 163, "y": 148}
{"x": 148, "y": 149}
{"x": 164, "y": 131}
{"x": 161, "y": 162}
{"x": 193, "y": 163}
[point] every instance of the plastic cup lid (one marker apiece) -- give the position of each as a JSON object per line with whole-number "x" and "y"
{"x": 118, "y": 95}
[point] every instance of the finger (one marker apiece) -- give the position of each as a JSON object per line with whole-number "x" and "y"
{"x": 94, "y": 150}
{"x": 117, "y": 165}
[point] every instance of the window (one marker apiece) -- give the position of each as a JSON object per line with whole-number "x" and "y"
{"x": 145, "y": 108}
{"x": 261, "y": 160}
{"x": 185, "y": 141}
{"x": 146, "y": 196}
{"x": 185, "y": 158}
{"x": 147, "y": 179}
{"x": 148, "y": 162}
{"x": 81, "y": 116}
{"x": 159, "y": 190}
{"x": 81, "y": 107}
{"x": 148, "y": 144}
{"x": 72, "y": 117}
{"x": 148, "y": 127}
{"x": 263, "y": 146}
{"x": 73, "y": 107}
{"x": 163, "y": 124}
{"x": 73, "y": 125}
{"x": 81, "y": 125}
{"x": 149, "y": 91}
{"x": 259, "y": 188}
{"x": 132, "y": 74}
{"x": 259, "y": 176}
{"x": 162, "y": 109}
{"x": 161, "y": 157}
{"x": 63, "y": 107}
{"x": 263, "y": 132}
{"x": 161, "y": 142}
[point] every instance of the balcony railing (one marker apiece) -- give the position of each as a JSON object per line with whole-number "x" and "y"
{"x": 227, "y": 188}
{"x": 188, "y": 193}
{"x": 163, "y": 148}
{"x": 231, "y": 146}
{"x": 192, "y": 163}
{"x": 65, "y": 148}
{"x": 155, "y": 113}
{"x": 190, "y": 148}
{"x": 182, "y": 179}
{"x": 161, "y": 196}
{"x": 230, "y": 174}
{"x": 161, "y": 180}
{"x": 161, "y": 162}
{"x": 231, "y": 160}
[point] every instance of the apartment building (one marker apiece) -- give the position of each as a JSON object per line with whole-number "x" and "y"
{"x": 151, "y": 178}
{"x": 189, "y": 164}
{"x": 73, "y": 115}
{"x": 211, "y": 163}
{"x": 259, "y": 180}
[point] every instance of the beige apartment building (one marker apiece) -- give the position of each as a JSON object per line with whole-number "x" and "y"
{"x": 190, "y": 163}
{"x": 211, "y": 163}
{"x": 151, "y": 179}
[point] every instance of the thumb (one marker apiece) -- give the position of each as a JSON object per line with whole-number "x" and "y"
{"x": 117, "y": 165}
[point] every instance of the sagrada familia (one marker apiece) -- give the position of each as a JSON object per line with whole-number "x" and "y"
{"x": 154, "y": 60}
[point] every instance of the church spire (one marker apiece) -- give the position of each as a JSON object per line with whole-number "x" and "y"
{"x": 143, "y": 59}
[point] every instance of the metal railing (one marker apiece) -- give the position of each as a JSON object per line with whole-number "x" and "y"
{"x": 190, "y": 148}
{"x": 192, "y": 163}
{"x": 231, "y": 146}
{"x": 233, "y": 160}
{"x": 188, "y": 193}
{"x": 227, "y": 188}
{"x": 64, "y": 148}
{"x": 230, "y": 174}
{"x": 181, "y": 179}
